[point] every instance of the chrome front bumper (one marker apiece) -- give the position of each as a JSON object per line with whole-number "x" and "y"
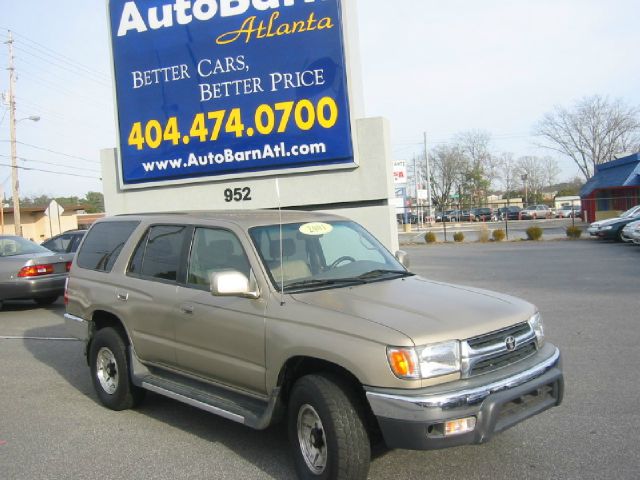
{"x": 497, "y": 400}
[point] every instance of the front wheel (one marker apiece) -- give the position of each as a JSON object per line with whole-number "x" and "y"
{"x": 110, "y": 371}
{"x": 327, "y": 430}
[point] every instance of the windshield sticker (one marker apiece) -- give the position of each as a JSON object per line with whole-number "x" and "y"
{"x": 315, "y": 228}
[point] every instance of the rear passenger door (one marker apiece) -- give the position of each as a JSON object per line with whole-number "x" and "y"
{"x": 150, "y": 294}
{"x": 220, "y": 338}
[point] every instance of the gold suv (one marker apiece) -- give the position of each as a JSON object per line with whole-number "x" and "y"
{"x": 258, "y": 316}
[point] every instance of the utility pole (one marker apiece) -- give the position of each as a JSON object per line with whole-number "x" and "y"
{"x": 12, "y": 127}
{"x": 426, "y": 156}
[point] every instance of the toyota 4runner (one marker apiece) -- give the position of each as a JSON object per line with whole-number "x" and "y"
{"x": 259, "y": 316}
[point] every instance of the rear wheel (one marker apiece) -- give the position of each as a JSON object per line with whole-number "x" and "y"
{"x": 327, "y": 430}
{"x": 110, "y": 371}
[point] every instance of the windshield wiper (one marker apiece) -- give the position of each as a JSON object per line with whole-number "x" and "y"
{"x": 382, "y": 272}
{"x": 318, "y": 282}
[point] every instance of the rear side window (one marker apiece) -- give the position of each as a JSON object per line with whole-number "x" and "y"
{"x": 159, "y": 253}
{"x": 103, "y": 245}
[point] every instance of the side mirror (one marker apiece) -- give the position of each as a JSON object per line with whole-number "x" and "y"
{"x": 403, "y": 258}
{"x": 232, "y": 284}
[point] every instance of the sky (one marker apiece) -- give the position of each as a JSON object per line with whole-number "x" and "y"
{"x": 427, "y": 66}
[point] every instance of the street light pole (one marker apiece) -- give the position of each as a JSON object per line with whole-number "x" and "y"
{"x": 526, "y": 196}
{"x": 429, "y": 199}
{"x": 15, "y": 183}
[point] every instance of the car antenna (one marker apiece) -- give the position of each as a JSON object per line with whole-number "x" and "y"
{"x": 281, "y": 248}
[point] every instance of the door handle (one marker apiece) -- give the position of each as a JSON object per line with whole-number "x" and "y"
{"x": 188, "y": 309}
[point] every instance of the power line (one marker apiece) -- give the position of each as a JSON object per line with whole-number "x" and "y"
{"x": 63, "y": 90}
{"x": 86, "y": 124}
{"x": 53, "y": 151}
{"x": 48, "y": 171}
{"x": 39, "y": 47}
{"x": 52, "y": 163}
{"x": 58, "y": 65}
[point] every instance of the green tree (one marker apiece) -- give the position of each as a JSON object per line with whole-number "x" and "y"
{"x": 94, "y": 202}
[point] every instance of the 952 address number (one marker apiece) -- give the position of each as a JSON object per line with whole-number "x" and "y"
{"x": 240, "y": 194}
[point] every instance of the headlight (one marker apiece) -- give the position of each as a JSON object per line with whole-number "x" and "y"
{"x": 537, "y": 326}
{"x": 426, "y": 361}
{"x": 608, "y": 227}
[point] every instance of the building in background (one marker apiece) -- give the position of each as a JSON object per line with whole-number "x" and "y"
{"x": 614, "y": 188}
{"x": 41, "y": 223}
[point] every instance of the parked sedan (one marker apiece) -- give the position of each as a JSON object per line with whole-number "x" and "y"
{"x": 613, "y": 229}
{"x": 67, "y": 242}
{"x": 536, "y": 211}
{"x": 569, "y": 211}
{"x": 510, "y": 213}
{"x": 484, "y": 214}
{"x": 629, "y": 230}
{"x": 30, "y": 271}
{"x": 595, "y": 226}
{"x": 635, "y": 234}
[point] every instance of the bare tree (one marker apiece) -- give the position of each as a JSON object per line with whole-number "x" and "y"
{"x": 592, "y": 132}
{"x": 507, "y": 172}
{"x": 447, "y": 162}
{"x": 530, "y": 170}
{"x": 550, "y": 170}
{"x": 482, "y": 166}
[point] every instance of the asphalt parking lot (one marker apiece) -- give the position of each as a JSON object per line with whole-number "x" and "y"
{"x": 51, "y": 425}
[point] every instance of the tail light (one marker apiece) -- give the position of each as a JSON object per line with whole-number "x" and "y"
{"x": 66, "y": 291}
{"x": 35, "y": 271}
{"x": 68, "y": 266}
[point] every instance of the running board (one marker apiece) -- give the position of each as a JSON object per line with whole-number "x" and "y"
{"x": 234, "y": 406}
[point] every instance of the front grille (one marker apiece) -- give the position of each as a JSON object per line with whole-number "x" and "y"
{"x": 503, "y": 360}
{"x": 491, "y": 338}
{"x": 489, "y": 352}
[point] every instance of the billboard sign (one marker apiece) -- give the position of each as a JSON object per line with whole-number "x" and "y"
{"x": 229, "y": 87}
{"x": 399, "y": 173}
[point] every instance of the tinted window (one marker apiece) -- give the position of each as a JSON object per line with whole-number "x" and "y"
{"x": 158, "y": 255}
{"x": 103, "y": 245}
{"x": 59, "y": 243}
{"x": 67, "y": 242}
{"x": 215, "y": 250}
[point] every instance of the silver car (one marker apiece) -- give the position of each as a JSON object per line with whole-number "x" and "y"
{"x": 631, "y": 232}
{"x": 30, "y": 271}
{"x": 536, "y": 211}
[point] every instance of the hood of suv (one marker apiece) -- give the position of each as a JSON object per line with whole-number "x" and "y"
{"x": 424, "y": 310}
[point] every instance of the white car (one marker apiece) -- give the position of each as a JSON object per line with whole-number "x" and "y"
{"x": 631, "y": 232}
{"x": 568, "y": 211}
{"x": 595, "y": 226}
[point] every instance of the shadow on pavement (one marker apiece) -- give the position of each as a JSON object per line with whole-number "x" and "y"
{"x": 267, "y": 450}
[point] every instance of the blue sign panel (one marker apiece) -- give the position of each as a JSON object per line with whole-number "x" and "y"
{"x": 212, "y": 87}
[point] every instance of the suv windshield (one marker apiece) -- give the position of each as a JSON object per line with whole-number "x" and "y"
{"x": 323, "y": 255}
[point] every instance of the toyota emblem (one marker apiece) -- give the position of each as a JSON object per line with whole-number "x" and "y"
{"x": 510, "y": 343}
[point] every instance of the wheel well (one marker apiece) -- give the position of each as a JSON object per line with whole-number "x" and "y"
{"x": 102, "y": 319}
{"x": 298, "y": 367}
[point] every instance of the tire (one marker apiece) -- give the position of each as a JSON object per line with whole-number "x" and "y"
{"x": 44, "y": 301}
{"x": 110, "y": 371}
{"x": 338, "y": 442}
